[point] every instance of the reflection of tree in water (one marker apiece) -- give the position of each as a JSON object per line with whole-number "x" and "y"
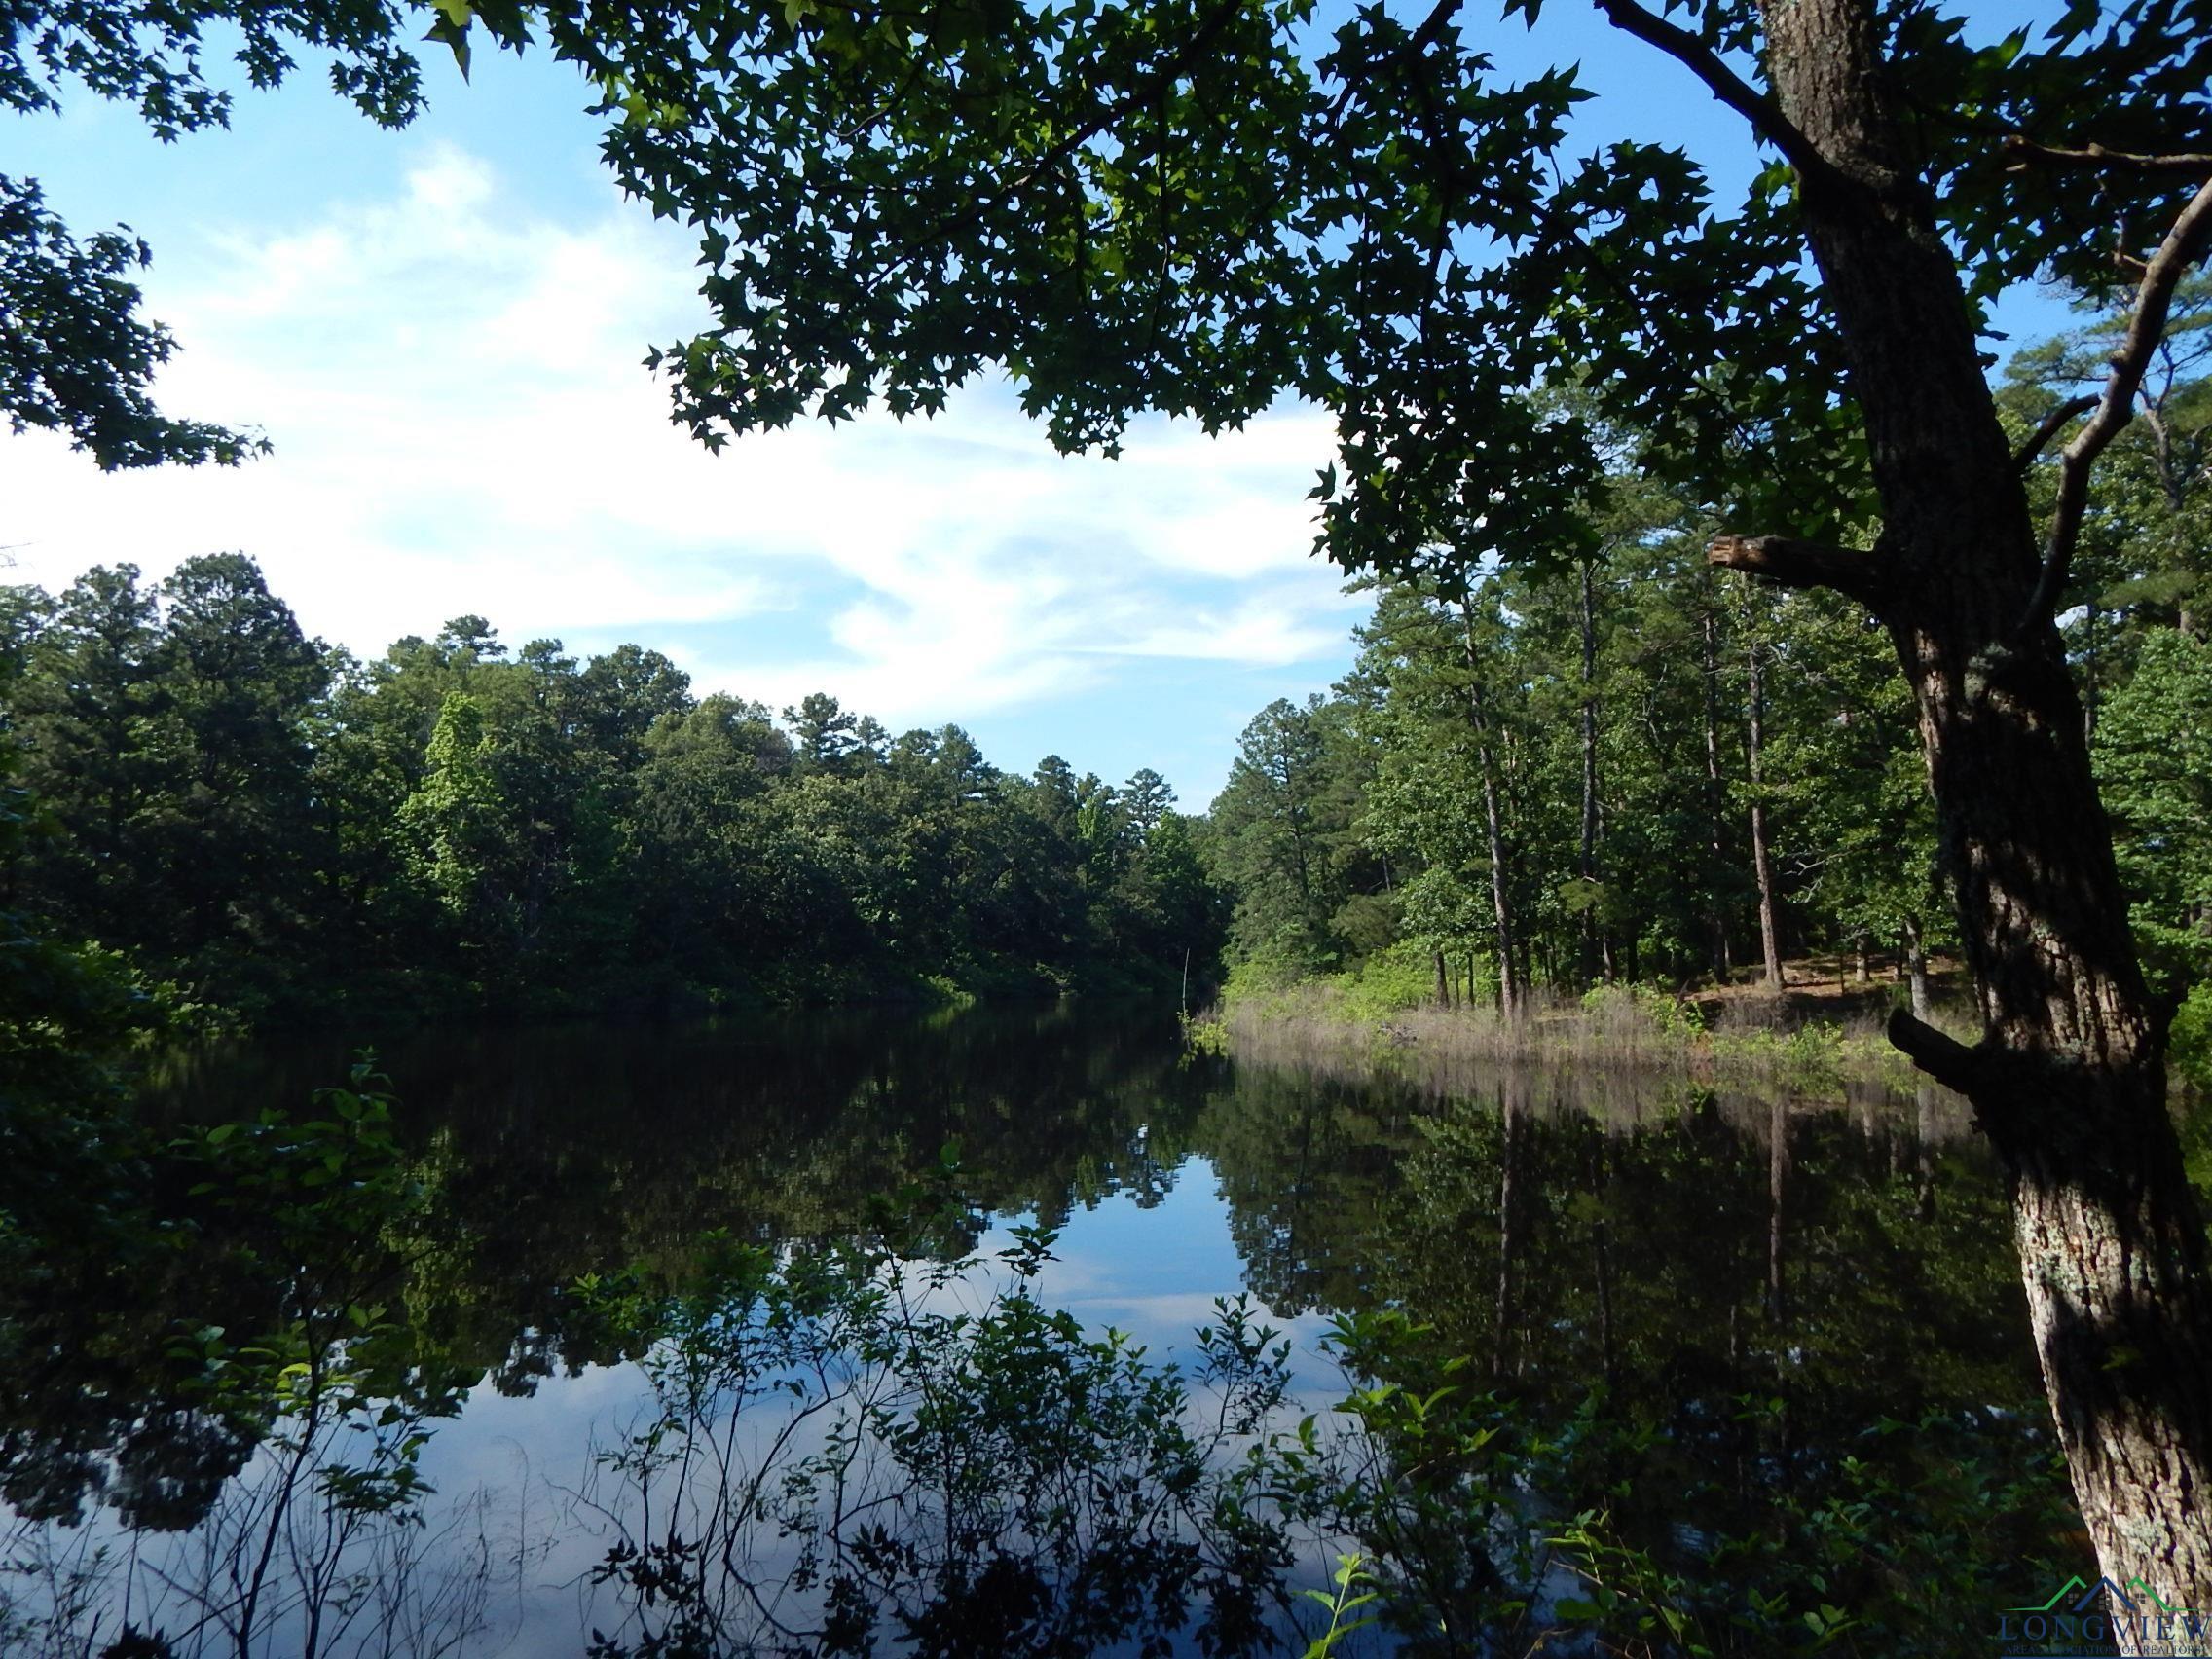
{"x": 577, "y": 1157}
{"x": 534, "y": 1158}
{"x": 1308, "y": 1168}
{"x": 1771, "y": 1347}
{"x": 1690, "y": 1315}
{"x": 840, "y": 1448}
{"x": 530, "y": 1166}
{"x": 845, "y": 1455}
{"x": 261, "y": 1473}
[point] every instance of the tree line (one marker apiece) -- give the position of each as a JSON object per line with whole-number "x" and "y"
{"x": 1623, "y": 762}
{"x": 287, "y": 831}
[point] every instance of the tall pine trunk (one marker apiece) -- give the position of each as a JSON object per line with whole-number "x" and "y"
{"x": 1597, "y": 944}
{"x": 1716, "y": 791}
{"x": 1510, "y": 960}
{"x": 1762, "y": 859}
{"x": 1916, "y": 969}
{"x": 2069, "y": 1077}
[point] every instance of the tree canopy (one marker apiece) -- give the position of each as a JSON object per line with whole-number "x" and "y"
{"x": 76, "y": 354}
{"x": 1198, "y": 207}
{"x": 287, "y": 831}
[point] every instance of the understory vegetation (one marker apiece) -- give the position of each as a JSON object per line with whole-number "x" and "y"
{"x": 1383, "y": 1012}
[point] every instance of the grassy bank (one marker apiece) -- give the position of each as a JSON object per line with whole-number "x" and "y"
{"x": 1826, "y": 1029}
{"x": 1388, "y": 1006}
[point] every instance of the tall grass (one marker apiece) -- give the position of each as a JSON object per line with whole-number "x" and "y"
{"x": 1318, "y": 1024}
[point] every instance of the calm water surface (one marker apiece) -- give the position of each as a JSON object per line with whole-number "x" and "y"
{"x": 1818, "y": 1264}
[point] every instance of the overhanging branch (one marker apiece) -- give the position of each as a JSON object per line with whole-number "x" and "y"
{"x": 2183, "y": 246}
{"x": 1942, "y": 1056}
{"x": 1723, "y": 83}
{"x": 2022, "y": 153}
{"x": 1432, "y": 26}
{"x": 1797, "y": 564}
{"x": 2049, "y": 427}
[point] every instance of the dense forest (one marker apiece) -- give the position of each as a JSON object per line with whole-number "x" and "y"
{"x": 1621, "y": 762}
{"x": 281, "y": 832}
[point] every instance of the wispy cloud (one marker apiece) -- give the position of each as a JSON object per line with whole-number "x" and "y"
{"x": 463, "y": 424}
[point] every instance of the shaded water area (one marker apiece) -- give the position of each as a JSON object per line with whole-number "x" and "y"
{"x": 741, "y": 1339}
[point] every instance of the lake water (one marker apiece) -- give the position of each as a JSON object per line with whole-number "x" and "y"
{"x": 1782, "y": 1313}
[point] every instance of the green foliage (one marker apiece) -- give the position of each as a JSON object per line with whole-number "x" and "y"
{"x": 452, "y": 824}
{"x": 1376, "y": 988}
{"x": 315, "y": 1204}
{"x": 1664, "y": 1378}
{"x": 2146, "y": 543}
{"x": 1207, "y": 1037}
{"x": 1282, "y": 835}
{"x": 1386, "y": 983}
{"x": 1531, "y": 1466}
{"x": 1667, "y": 1015}
{"x": 285, "y": 831}
{"x": 75, "y": 355}
{"x": 1196, "y": 210}
{"x": 2154, "y": 752}
{"x": 167, "y": 735}
{"x": 237, "y": 1286}
{"x": 1345, "y": 1597}
{"x": 1571, "y": 749}
{"x": 991, "y": 1476}
{"x": 2189, "y": 1040}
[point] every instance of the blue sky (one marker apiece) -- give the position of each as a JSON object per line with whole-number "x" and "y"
{"x": 441, "y": 331}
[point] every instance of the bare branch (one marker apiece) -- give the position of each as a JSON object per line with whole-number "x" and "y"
{"x": 1796, "y": 563}
{"x": 2024, "y": 153}
{"x": 2049, "y": 427}
{"x": 1942, "y": 1056}
{"x": 2183, "y": 246}
{"x": 1723, "y": 83}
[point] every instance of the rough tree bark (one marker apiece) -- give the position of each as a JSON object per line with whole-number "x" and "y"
{"x": 2068, "y": 1079}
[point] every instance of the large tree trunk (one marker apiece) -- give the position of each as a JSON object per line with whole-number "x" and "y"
{"x": 2069, "y": 1079}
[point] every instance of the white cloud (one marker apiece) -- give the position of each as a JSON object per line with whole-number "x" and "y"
{"x": 463, "y": 424}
